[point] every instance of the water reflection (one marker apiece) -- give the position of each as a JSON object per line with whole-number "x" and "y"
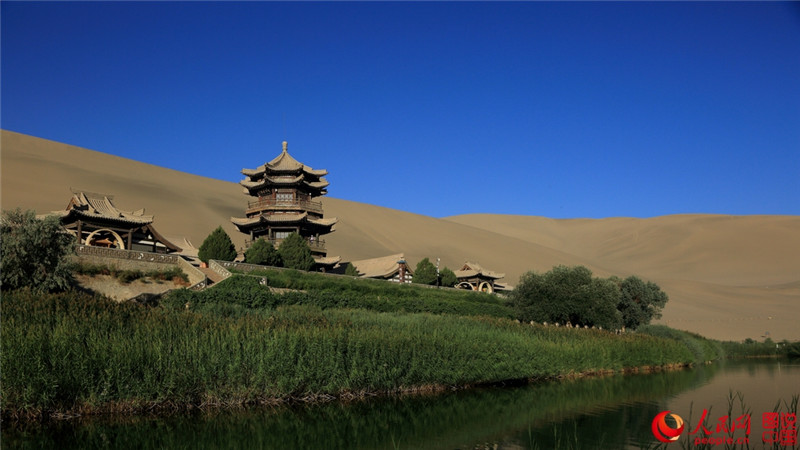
{"x": 608, "y": 412}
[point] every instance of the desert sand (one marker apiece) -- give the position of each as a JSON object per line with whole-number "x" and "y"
{"x": 728, "y": 277}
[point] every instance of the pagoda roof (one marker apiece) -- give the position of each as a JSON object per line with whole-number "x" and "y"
{"x": 250, "y": 184}
{"x": 283, "y": 163}
{"x": 471, "y": 269}
{"x": 282, "y": 218}
{"x": 381, "y": 267}
{"x": 89, "y": 205}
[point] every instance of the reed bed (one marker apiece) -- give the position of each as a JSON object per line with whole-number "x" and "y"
{"x": 76, "y": 353}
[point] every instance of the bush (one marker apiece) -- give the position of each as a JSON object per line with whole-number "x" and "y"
{"x": 425, "y": 273}
{"x": 567, "y": 294}
{"x": 449, "y": 278}
{"x": 218, "y": 245}
{"x": 34, "y": 253}
{"x": 264, "y": 253}
{"x": 295, "y": 253}
{"x": 351, "y": 270}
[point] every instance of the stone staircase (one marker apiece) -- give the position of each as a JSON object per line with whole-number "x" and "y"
{"x": 213, "y": 276}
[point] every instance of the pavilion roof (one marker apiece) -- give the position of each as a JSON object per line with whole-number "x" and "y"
{"x": 251, "y": 184}
{"x": 284, "y": 162}
{"x": 327, "y": 260}
{"x": 90, "y": 205}
{"x": 472, "y": 269}
{"x": 381, "y": 267}
{"x": 282, "y": 218}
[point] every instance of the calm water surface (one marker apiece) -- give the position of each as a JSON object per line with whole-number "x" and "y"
{"x": 608, "y": 413}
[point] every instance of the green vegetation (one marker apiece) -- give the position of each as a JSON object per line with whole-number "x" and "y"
{"x": 572, "y": 295}
{"x": 217, "y": 245}
{"x": 295, "y": 253}
{"x": 424, "y": 273}
{"x": 33, "y": 252}
{"x": 750, "y": 348}
{"x": 239, "y": 343}
{"x": 264, "y": 253}
{"x": 351, "y": 270}
{"x": 702, "y": 348}
{"x": 567, "y": 295}
{"x": 639, "y": 301}
{"x": 240, "y": 295}
{"x": 451, "y": 421}
{"x": 448, "y": 278}
{"x": 126, "y": 276}
{"x": 71, "y": 352}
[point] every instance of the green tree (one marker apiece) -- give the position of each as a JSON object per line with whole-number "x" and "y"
{"x": 264, "y": 253}
{"x": 449, "y": 278}
{"x": 567, "y": 294}
{"x": 34, "y": 253}
{"x": 639, "y": 301}
{"x": 351, "y": 270}
{"x": 218, "y": 245}
{"x": 296, "y": 253}
{"x": 425, "y": 273}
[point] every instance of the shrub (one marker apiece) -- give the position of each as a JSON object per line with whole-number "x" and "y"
{"x": 295, "y": 253}
{"x": 351, "y": 270}
{"x": 218, "y": 245}
{"x": 449, "y": 278}
{"x": 425, "y": 273}
{"x": 34, "y": 253}
{"x": 264, "y": 253}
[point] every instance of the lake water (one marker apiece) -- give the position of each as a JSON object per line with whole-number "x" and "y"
{"x": 609, "y": 412}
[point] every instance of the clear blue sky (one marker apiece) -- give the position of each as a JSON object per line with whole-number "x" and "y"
{"x": 554, "y": 109}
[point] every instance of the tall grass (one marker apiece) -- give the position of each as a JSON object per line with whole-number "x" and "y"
{"x": 74, "y": 352}
{"x": 703, "y": 349}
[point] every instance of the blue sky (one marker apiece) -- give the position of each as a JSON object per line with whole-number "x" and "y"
{"x": 562, "y": 110}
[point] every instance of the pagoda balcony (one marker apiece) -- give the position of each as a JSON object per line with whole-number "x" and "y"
{"x": 271, "y": 203}
{"x": 316, "y": 245}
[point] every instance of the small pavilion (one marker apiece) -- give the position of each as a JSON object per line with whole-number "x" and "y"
{"x": 94, "y": 220}
{"x": 474, "y": 277}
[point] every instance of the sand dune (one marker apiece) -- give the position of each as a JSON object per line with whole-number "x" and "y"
{"x": 728, "y": 277}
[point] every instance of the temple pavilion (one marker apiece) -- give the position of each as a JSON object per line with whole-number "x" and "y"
{"x": 474, "y": 277}
{"x": 94, "y": 220}
{"x": 285, "y": 194}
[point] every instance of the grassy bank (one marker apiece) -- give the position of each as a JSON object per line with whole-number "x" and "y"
{"x": 77, "y": 353}
{"x": 242, "y": 295}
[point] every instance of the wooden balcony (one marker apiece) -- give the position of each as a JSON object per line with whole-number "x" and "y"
{"x": 272, "y": 204}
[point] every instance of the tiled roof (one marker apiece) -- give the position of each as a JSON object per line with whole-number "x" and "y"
{"x": 99, "y": 206}
{"x": 471, "y": 269}
{"x": 381, "y": 267}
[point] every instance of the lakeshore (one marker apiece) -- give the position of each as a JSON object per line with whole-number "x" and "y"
{"x": 75, "y": 354}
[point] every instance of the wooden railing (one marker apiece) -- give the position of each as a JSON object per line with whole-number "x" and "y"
{"x": 264, "y": 203}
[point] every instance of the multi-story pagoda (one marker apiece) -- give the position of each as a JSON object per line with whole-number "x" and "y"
{"x": 285, "y": 191}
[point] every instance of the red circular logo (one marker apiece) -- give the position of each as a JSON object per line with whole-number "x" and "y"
{"x": 663, "y": 431}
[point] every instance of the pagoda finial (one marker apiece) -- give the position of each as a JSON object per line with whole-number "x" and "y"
{"x": 285, "y": 146}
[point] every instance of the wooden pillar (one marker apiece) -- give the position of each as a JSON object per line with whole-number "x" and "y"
{"x": 129, "y": 245}
{"x": 80, "y": 232}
